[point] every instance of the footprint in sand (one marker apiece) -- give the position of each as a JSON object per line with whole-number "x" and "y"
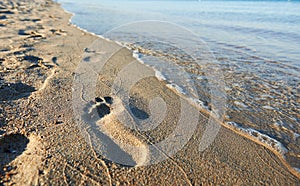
{"x": 31, "y": 34}
{"x": 32, "y": 61}
{"x": 11, "y": 146}
{"x": 32, "y": 20}
{"x": 6, "y": 12}
{"x": 97, "y": 109}
{"x": 3, "y": 17}
{"x": 58, "y": 32}
{"x": 102, "y": 114}
{"x": 21, "y": 158}
{"x": 14, "y": 91}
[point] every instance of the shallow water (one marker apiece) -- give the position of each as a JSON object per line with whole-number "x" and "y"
{"x": 255, "y": 45}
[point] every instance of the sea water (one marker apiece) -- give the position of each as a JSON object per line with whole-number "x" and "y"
{"x": 255, "y": 44}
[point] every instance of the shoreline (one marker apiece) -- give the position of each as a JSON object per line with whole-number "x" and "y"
{"x": 63, "y": 152}
{"x": 270, "y": 143}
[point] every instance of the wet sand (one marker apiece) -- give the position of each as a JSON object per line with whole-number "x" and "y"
{"x": 41, "y": 142}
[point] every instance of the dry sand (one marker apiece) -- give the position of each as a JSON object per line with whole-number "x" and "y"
{"x": 41, "y": 144}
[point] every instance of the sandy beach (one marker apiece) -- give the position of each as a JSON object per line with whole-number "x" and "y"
{"x": 42, "y": 144}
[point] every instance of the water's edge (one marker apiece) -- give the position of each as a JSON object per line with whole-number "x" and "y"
{"x": 262, "y": 139}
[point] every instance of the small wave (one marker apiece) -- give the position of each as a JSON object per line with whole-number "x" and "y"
{"x": 159, "y": 76}
{"x": 263, "y": 138}
{"x": 176, "y": 88}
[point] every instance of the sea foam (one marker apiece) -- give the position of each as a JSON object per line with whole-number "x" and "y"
{"x": 263, "y": 138}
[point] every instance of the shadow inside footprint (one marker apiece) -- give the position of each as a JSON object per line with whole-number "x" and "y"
{"x": 139, "y": 113}
{"x": 6, "y": 12}
{"x": 32, "y": 59}
{"x": 3, "y": 17}
{"x": 136, "y": 110}
{"x": 102, "y": 110}
{"x": 94, "y": 111}
{"x": 23, "y": 33}
{"x": 14, "y": 91}
{"x": 54, "y": 60}
{"x": 87, "y": 59}
{"x": 33, "y": 20}
{"x": 106, "y": 147}
{"x": 108, "y": 99}
{"x": 11, "y": 146}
